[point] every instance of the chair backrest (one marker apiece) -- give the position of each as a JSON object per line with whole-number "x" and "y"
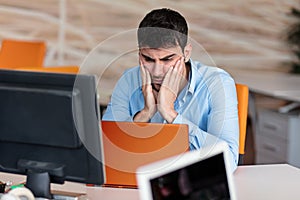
{"x": 242, "y": 95}
{"x": 20, "y": 53}
{"x": 53, "y": 69}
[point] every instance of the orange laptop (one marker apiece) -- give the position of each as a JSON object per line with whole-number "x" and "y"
{"x": 129, "y": 145}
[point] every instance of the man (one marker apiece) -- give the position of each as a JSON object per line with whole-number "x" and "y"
{"x": 169, "y": 87}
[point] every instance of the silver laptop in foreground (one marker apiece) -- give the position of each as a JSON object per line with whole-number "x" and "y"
{"x": 202, "y": 174}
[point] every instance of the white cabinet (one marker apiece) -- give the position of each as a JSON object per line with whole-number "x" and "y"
{"x": 277, "y": 139}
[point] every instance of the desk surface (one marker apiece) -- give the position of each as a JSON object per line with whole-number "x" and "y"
{"x": 267, "y": 182}
{"x": 276, "y": 84}
{"x": 280, "y": 181}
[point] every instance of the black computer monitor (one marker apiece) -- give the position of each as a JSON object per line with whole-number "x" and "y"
{"x": 49, "y": 128}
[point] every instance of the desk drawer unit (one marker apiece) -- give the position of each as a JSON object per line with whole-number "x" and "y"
{"x": 277, "y": 138}
{"x": 273, "y": 124}
{"x": 270, "y": 149}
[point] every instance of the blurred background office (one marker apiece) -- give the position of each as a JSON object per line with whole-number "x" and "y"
{"x": 240, "y": 34}
{"x": 247, "y": 35}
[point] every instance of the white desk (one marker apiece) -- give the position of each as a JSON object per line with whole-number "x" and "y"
{"x": 275, "y": 84}
{"x": 252, "y": 182}
{"x": 267, "y": 182}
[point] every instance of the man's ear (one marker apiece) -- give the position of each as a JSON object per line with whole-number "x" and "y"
{"x": 187, "y": 52}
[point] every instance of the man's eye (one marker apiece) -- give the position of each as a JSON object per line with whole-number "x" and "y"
{"x": 149, "y": 59}
{"x": 166, "y": 60}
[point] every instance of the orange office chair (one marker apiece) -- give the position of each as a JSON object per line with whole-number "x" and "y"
{"x": 19, "y": 53}
{"x": 242, "y": 96}
{"x": 56, "y": 69}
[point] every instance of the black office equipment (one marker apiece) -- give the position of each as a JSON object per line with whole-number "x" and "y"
{"x": 49, "y": 128}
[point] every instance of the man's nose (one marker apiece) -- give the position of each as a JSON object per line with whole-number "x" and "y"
{"x": 157, "y": 69}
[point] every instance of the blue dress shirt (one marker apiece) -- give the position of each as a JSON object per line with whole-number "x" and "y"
{"x": 208, "y": 104}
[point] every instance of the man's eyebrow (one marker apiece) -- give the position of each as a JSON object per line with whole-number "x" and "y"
{"x": 146, "y": 56}
{"x": 164, "y": 58}
{"x": 168, "y": 56}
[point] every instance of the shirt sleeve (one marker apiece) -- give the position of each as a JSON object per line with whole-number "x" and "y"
{"x": 222, "y": 120}
{"x": 117, "y": 109}
{"x": 127, "y": 98}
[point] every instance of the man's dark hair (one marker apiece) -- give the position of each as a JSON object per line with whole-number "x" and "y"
{"x": 163, "y": 28}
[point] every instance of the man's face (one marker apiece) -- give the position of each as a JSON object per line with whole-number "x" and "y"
{"x": 158, "y": 61}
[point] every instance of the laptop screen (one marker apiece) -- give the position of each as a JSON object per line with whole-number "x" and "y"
{"x": 201, "y": 180}
{"x": 200, "y": 174}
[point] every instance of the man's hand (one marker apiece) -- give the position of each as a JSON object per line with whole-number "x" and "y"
{"x": 149, "y": 97}
{"x": 169, "y": 91}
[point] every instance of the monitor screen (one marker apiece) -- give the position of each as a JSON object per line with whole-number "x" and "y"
{"x": 49, "y": 123}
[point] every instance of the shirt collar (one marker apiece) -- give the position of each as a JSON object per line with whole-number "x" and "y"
{"x": 193, "y": 76}
{"x": 190, "y": 87}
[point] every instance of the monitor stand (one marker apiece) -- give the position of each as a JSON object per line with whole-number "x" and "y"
{"x": 39, "y": 184}
{"x": 40, "y": 175}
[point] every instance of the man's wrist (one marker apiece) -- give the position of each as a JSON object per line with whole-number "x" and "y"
{"x": 142, "y": 116}
{"x": 169, "y": 116}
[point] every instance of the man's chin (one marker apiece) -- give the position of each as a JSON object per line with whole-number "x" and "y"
{"x": 156, "y": 87}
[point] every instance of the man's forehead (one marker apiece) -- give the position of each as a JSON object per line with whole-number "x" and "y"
{"x": 161, "y": 51}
